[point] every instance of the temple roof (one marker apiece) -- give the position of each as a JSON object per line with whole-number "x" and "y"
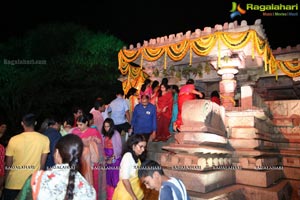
{"x": 226, "y": 27}
{"x": 202, "y": 51}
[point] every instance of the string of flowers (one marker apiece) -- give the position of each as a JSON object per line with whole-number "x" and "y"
{"x": 202, "y": 46}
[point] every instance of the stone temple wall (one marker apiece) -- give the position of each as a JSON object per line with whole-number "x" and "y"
{"x": 286, "y": 121}
{"x": 241, "y": 153}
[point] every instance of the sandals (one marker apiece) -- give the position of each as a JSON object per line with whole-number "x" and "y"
{"x": 175, "y": 127}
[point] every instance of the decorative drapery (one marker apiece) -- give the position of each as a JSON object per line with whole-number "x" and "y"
{"x": 135, "y": 78}
{"x": 202, "y": 46}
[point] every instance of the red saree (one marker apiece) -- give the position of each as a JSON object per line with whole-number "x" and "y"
{"x": 164, "y": 115}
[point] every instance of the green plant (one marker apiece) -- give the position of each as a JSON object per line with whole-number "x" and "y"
{"x": 186, "y": 72}
{"x": 178, "y": 74}
{"x": 172, "y": 70}
{"x": 165, "y": 72}
{"x": 156, "y": 72}
{"x": 207, "y": 68}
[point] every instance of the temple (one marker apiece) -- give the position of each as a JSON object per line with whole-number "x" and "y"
{"x": 249, "y": 146}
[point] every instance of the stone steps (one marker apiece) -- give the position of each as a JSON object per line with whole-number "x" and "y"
{"x": 252, "y": 144}
{"x": 204, "y": 138}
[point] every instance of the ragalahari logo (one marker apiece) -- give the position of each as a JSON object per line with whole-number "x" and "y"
{"x": 236, "y": 10}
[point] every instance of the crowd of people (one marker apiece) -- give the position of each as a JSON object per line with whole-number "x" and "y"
{"x": 97, "y": 154}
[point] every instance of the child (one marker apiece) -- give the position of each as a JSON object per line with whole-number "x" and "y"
{"x": 152, "y": 175}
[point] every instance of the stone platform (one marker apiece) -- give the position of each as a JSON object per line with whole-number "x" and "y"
{"x": 203, "y": 181}
{"x": 280, "y": 191}
{"x": 258, "y": 178}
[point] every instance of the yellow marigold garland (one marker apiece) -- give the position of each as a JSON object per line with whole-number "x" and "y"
{"x": 202, "y": 46}
{"x": 178, "y": 51}
{"x": 288, "y": 67}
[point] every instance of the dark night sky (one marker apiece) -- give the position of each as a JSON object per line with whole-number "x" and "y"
{"x": 136, "y": 21}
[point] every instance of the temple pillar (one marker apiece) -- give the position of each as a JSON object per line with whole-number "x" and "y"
{"x": 228, "y": 85}
{"x": 246, "y": 96}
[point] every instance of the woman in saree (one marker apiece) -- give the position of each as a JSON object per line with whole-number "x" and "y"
{"x": 132, "y": 99}
{"x": 164, "y": 113}
{"x": 92, "y": 159}
{"x": 146, "y": 88}
{"x": 113, "y": 151}
{"x": 186, "y": 92}
{"x": 175, "y": 90}
{"x": 129, "y": 186}
{"x": 155, "y": 90}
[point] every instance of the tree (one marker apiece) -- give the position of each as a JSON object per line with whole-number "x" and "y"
{"x": 55, "y": 67}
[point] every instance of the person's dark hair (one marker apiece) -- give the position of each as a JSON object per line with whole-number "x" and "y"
{"x": 44, "y": 126}
{"x": 90, "y": 117}
{"x": 111, "y": 129}
{"x": 70, "y": 148}
{"x": 83, "y": 118}
{"x": 75, "y": 109}
{"x": 47, "y": 123}
{"x": 5, "y": 137}
{"x": 154, "y": 84}
{"x": 98, "y": 103}
{"x": 175, "y": 87}
{"x": 145, "y": 96}
{"x": 29, "y": 120}
{"x": 120, "y": 91}
{"x": 166, "y": 86}
{"x": 134, "y": 140}
{"x": 145, "y": 84}
{"x": 190, "y": 81}
{"x": 215, "y": 93}
{"x": 165, "y": 81}
{"x": 2, "y": 121}
{"x": 69, "y": 120}
{"x": 148, "y": 167}
{"x": 130, "y": 92}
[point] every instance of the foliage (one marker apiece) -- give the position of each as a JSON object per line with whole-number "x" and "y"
{"x": 188, "y": 70}
{"x": 156, "y": 72}
{"x": 70, "y": 66}
{"x": 207, "y": 68}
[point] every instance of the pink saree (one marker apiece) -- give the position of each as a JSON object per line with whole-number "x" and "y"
{"x": 185, "y": 93}
{"x": 92, "y": 160}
